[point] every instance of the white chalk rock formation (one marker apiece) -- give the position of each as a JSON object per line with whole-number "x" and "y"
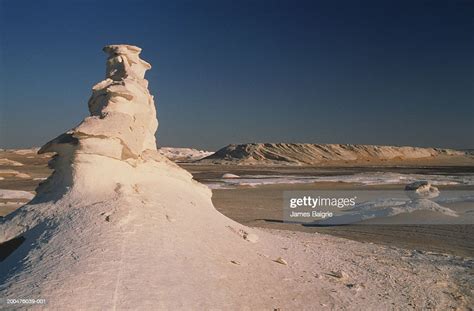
{"x": 113, "y": 144}
{"x": 115, "y": 213}
{"x": 421, "y": 190}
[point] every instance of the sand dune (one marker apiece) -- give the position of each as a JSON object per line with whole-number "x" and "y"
{"x": 316, "y": 154}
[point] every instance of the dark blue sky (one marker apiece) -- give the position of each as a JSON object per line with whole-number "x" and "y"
{"x": 372, "y": 72}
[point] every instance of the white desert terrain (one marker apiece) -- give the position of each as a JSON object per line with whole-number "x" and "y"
{"x": 118, "y": 226}
{"x": 183, "y": 154}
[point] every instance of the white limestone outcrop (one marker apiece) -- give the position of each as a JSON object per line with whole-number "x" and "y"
{"x": 118, "y": 136}
{"x": 421, "y": 190}
{"x": 112, "y": 189}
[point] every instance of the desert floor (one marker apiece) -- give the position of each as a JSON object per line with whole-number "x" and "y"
{"x": 261, "y": 206}
{"x": 267, "y": 213}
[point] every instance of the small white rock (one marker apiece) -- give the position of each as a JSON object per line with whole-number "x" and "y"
{"x": 230, "y": 176}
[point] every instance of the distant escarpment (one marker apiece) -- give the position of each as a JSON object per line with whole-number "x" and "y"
{"x": 328, "y": 154}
